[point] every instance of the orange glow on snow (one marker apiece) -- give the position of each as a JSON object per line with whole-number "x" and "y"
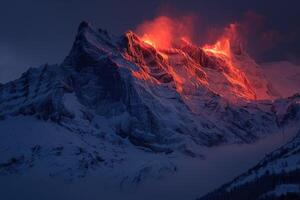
{"x": 220, "y": 49}
{"x": 148, "y": 41}
{"x": 165, "y": 34}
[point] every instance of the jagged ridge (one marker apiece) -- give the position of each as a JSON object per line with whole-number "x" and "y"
{"x": 161, "y": 103}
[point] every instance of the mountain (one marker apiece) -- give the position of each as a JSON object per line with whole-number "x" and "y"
{"x": 275, "y": 177}
{"x": 115, "y": 99}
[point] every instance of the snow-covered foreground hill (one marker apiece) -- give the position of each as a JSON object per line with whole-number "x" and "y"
{"x": 277, "y": 176}
{"x": 119, "y": 118}
{"x": 50, "y": 162}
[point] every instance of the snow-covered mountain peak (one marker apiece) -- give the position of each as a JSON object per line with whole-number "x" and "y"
{"x": 88, "y": 46}
{"x": 160, "y": 99}
{"x": 185, "y": 66}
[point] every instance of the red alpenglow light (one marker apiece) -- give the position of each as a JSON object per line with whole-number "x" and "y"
{"x": 163, "y": 32}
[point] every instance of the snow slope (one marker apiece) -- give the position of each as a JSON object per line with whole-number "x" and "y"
{"x": 274, "y": 177}
{"x": 48, "y": 158}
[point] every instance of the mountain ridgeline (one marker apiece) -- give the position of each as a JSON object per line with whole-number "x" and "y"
{"x": 123, "y": 93}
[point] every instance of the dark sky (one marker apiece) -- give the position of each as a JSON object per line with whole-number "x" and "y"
{"x": 34, "y": 32}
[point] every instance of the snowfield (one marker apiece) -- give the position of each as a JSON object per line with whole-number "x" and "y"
{"x": 50, "y": 158}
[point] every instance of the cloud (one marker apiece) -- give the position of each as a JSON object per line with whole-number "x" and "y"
{"x": 164, "y": 31}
